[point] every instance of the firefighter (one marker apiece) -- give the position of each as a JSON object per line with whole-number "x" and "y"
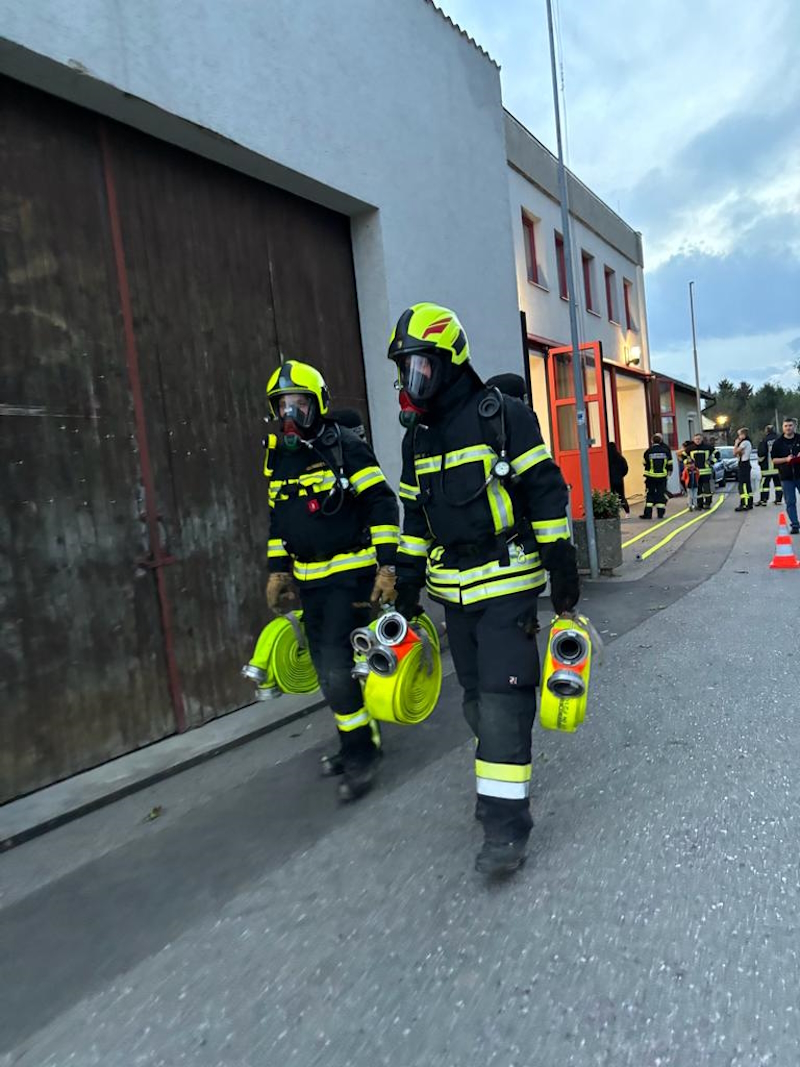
{"x": 769, "y": 472}
{"x": 743, "y": 449}
{"x": 657, "y": 468}
{"x": 702, "y": 455}
{"x": 333, "y": 536}
{"x": 484, "y": 516}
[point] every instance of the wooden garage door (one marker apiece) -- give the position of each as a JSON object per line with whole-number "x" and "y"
{"x": 145, "y": 296}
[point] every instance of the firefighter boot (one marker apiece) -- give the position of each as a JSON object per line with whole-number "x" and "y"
{"x": 331, "y": 766}
{"x": 501, "y": 857}
{"x": 358, "y": 773}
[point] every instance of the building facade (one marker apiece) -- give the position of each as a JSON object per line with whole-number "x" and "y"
{"x": 192, "y": 192}
{"x": 608, "y": 264}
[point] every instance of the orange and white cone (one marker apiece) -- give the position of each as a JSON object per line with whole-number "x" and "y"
{"x": 784, "y": 558}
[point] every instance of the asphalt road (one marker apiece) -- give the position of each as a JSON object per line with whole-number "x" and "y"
{"x": 256, "y": 922}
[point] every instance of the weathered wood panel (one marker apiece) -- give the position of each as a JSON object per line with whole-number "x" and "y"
{"x": 81, "y": 662}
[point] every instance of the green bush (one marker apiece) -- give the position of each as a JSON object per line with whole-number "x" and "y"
{"x": 605, "y": 504}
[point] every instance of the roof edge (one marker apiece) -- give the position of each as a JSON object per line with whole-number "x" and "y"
{"x": 462, "y": 32}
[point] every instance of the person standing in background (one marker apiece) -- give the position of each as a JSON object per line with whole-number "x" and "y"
{"x": 786, "y": 457}
{"x": 769, "y": 472}
{"x": 743, "y": 449}
{"x": 657, "y": 468}
{"x": 617, "y": 469}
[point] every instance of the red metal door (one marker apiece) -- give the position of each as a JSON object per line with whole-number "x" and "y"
{"x": 565, "y": 424}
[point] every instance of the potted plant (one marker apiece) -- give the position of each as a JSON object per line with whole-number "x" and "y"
{"x": 605, "y": 508}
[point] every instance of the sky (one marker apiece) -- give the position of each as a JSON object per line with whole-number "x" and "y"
{"x": 684, "y": 116}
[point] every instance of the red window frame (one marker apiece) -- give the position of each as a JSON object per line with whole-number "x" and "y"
{"x": 670, "y": 437}
{"x": 529, "y": 235}
{"x": 561, "y": 264}
{"x": 586, "y": 264}
{"x": 626, "y": 289}
{"x": 610, "y": 276}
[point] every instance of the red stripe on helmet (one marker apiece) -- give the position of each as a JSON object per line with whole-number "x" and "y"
{"x": 437, "y": 327}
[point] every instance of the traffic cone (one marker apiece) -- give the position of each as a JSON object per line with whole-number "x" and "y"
{"x": 784, "y": 558}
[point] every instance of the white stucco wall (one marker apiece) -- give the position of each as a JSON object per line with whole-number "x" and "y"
{"x": 377, "y": 107}
{"x": 547, "y": 313}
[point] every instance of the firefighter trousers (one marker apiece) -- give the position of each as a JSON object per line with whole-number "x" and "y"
{"x": 655, "y": 496}
{"x": 497, "y": 664}
{"x": 331, "y": 611}
{"x": 771, "y": 478}
{"x": 704, "y": 491}
{"x": 743, "y": 475}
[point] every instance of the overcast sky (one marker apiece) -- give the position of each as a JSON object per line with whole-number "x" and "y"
{"x": 684, "y": 116}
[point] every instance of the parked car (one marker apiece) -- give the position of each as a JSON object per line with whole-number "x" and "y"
{"x": 725, "y": 466}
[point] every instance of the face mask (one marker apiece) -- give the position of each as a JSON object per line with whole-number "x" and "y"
{"x": 410, "y": 414}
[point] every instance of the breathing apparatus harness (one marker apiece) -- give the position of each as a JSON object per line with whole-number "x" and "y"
{"x": 329, "y": 437}
{"x": 492, "y": 408}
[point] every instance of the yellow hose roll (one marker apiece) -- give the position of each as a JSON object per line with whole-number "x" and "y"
{"x": 284, "y": 658}
{"x": 410, "y": 694}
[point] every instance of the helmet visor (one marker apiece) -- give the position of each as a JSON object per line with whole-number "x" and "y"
{"x": 299, "y": 408}
{"x": 421, "y": 376}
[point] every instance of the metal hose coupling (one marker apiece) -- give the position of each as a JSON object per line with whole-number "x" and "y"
{"x": 255, "y": 674}
{"x": 566, "y": 684}
{"x": 382, "y": 660}
{"x": 391, "y": 629}
{"x": 363, "y": 640}
{"x": 569, "y": 646}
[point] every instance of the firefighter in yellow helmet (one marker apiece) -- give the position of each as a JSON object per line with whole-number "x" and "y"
{"x": 484, "y": 517}
{"x": 333, "y": 536}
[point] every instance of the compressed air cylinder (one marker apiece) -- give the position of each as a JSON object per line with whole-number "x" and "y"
{"x": 565, "y": 678}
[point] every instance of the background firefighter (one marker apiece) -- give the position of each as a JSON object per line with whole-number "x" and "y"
{"x": 769, "y": 472}
{"x": 702, "y": 455}
{"x": 657, "y": 468}
{"x": 484, "y": 514}
{"x": 333, "y": 518}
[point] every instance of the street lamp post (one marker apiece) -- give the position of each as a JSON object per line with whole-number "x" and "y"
{"x": 577, "y": 359}
{"x": 696, "y": 368}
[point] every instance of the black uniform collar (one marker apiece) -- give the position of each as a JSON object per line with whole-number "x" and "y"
{"x": 453, "y": 397}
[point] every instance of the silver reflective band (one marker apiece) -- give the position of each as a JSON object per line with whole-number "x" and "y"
{"x": 492, "y": 787}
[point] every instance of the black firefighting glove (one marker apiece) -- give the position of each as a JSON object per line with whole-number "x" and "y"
{"x": 407, "y": 601}
{"x": 561, "y": 560}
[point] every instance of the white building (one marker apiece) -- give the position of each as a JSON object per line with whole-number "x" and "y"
{"x": 608, "y": 263}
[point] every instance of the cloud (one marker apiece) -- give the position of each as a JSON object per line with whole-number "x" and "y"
{"x": 753, "y": 357}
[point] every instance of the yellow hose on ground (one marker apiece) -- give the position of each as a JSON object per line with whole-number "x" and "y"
{"x": 410, "y": 694}
{"x": 281, "y": 660}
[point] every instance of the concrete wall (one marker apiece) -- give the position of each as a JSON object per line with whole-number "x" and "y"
{"x": 379, "y": 108}
{"x": 596, "y": 229}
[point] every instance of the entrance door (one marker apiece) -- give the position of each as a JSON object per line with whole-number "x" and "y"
{"x": 565, "y": 422}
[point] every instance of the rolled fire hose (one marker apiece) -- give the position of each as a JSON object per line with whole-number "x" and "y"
{"x": 401, "y": 668}
{"x": 281, "y": 662}
{"x": 567, "y": 668}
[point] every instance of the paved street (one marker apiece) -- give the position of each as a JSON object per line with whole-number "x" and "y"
{"x": 655, "y": 925}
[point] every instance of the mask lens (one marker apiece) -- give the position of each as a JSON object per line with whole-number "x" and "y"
{"x": 420, "y": 376}
{"x": 299, "y": 408}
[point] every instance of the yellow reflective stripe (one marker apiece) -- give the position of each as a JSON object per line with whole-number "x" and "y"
{"x": 508, "y": 587}
{"x": 408, "y": 492}
{"x": 275, "y": 547}
{"x": 346, "y": 723}
{"x": 366, "y": 478}
{"x": 346, "y": 561}
{"x": 469, "y": 455}
{"x": 529, "y": 459}
{"x": 547, "y": 530}
{"x": 503, "y": 772}
{"x": 384, "y": 535}
{"x": 427, "y": 464}
{"x": 414, "y": 546}
{"x": 499, "y": 501}
{"x": 318, "y": 480}
{"x": 486, "y": 571}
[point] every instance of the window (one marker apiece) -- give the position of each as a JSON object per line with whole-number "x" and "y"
{"x": 561, "y": 263}
{"x": 588, "y": 262}
{"x": 611, "y": 294}
{"x": 666, "y": 407}
{"x": 627, "y": 289}
{"x": 529, "y": 227}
